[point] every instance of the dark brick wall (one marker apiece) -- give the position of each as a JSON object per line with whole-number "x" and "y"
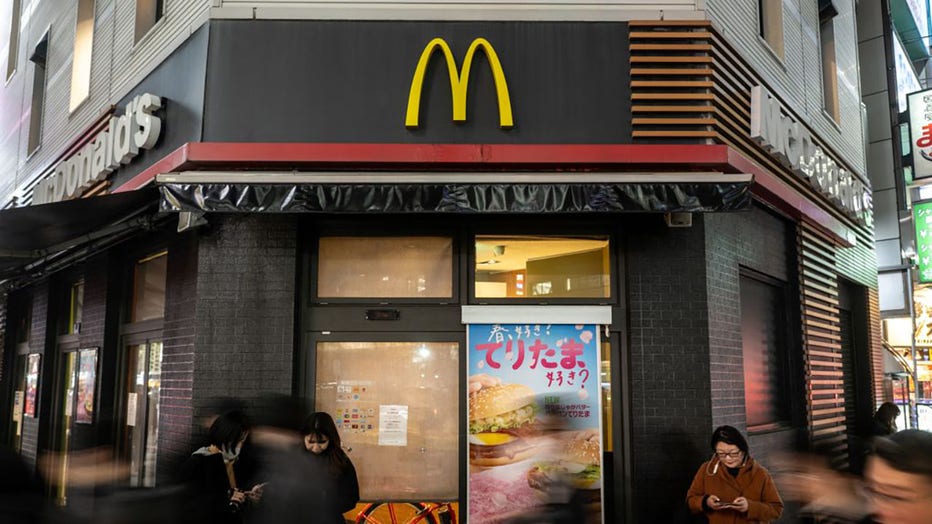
{"x": 760, "y": 241}
{"x": 670, "y": 376}
{"x": 246, "y": 270}
{"x": 94, "y": 314}
{"x": 687, "y": 375}
{"x": 31, "y": 425}
{"x": 757, "y": 240}
{"x": 176, "y": 409}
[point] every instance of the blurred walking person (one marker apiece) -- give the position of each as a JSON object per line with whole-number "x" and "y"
{"x": 219, "y": 477}
{"x": 898, "y": 478}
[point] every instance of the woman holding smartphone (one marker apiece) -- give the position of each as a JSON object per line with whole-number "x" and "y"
{"x": 732, "y": 488}
{"x": 219, "y": 477}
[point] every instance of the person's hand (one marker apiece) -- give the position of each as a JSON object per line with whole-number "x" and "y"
{"x": 238, "y": 496}
{"x": 255, "y": 494}
{"x": 740, "y": 504}
{"x": 477, "y": 382}
{"x": 714, "y": 502}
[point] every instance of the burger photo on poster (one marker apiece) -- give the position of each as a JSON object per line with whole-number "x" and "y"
{"x": 577, "y": 466}
{"x": 503, "y": 426}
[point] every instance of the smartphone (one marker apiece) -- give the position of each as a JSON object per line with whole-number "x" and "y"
{"x": 726, "y": 504}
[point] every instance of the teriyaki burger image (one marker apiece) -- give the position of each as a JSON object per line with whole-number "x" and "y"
{"x": 502, "y": 425}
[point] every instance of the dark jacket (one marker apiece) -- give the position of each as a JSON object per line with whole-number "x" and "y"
{"x": 207, "y": 488}
{"x": 753, "y": 482}
{"x": 303, "y": 487}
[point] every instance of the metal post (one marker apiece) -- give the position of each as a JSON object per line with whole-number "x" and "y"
{"x": 914, "y": 375}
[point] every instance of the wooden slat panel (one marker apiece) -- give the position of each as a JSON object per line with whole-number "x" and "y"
{"x": 666, "y": 71}
{"x": 671, "y": 109}
{"x": 836, "y": 373}
{"x": 671, "y": 134}
{"x": 671, "y": 83}
{"x": 829, "y": 431}
{"x": 672, "y": 96}
{"x": 827, "y": 411}
{"x": 833, "y": 421}
{"x": 679, "y": 121}
{"x": 684, "y": 35}
{"x": 818, "y": 305}
{"x": 670, "y": 47}
{"x": 672, "y": 59}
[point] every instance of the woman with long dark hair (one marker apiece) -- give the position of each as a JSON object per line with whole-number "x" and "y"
{"x": 336, "y": 489}
{"x": 731, "y": 487}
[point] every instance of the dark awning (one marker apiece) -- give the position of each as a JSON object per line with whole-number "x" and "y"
{"x": 379, "y": 192}
{"x": 32, "y": 232}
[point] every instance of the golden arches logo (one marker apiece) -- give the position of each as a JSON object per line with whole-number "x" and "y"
{"x": 459, "y": 81}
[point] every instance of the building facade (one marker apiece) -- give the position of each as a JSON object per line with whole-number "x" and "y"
{"x": 257, "y": 198}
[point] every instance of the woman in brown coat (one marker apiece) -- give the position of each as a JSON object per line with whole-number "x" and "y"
{"x": 732, "y": 488}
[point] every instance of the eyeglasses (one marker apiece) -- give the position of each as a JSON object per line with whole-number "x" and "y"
{"x": 733, "y": 454}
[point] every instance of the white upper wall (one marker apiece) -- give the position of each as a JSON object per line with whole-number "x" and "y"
{"x": 117, "y": 65}
{"x": 594, "y": 10}
{"x": 797, "y": 78}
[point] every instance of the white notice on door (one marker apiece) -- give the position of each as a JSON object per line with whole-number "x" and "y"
{"x": 18, "y": 398}
{"x": 131, "y": 409}
{"x": 393, "y": 425}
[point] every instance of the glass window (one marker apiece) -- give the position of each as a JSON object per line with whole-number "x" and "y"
{"x": 763, "y": 338}
{"x": 149, "y": 287}
{"x": 829, "y": 69}
{"x": 76, "y": 308}
{"x": 65, "y": 425}
{"x": 605, "y": 378}
{"x": 81, "y": 58}
{"x": 396, "y": 405}
{"x": 141, "y": 417}
{"x": 542, "y": 267}
{"x": 770, "y": 23}
{"x": 13, "y": 49}
{"x": 385, "y": 267}
{"x": 24, "y": 324}
{"x": 19, "y": 401}
{"x": 37, "y": 108}
{"x": 148, "y": 12}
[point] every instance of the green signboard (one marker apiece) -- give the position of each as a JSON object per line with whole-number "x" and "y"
{"x": 922, "y": 217}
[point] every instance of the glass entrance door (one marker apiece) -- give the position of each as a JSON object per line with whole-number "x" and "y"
{"x": 396, "y": 400}
{"x": 65, "y": 424}
{"x": 141, "y": 410}
{"x": 396, "y": 405}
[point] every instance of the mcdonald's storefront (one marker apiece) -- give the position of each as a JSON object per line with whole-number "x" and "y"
{"x": 344, "y": 205}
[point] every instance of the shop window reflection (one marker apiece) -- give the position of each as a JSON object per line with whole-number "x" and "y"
{"x": 385, "y": 267}
{"x": 542, "y": 267}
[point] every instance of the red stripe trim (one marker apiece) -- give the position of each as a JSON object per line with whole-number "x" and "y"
{"x": 361, "y": 154}
{"x": 175, "y": 160}
{"x": 777, "y": 192}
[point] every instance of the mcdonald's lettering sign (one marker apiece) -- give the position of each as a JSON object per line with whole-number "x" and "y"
{"x": 459, "y": 81}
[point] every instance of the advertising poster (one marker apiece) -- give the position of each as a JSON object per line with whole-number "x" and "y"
{"x": 534, "y": 419}
{"x": 32, "y": 383}
{"x": 920, "y": 132}
{"x": 87, "y": 382}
